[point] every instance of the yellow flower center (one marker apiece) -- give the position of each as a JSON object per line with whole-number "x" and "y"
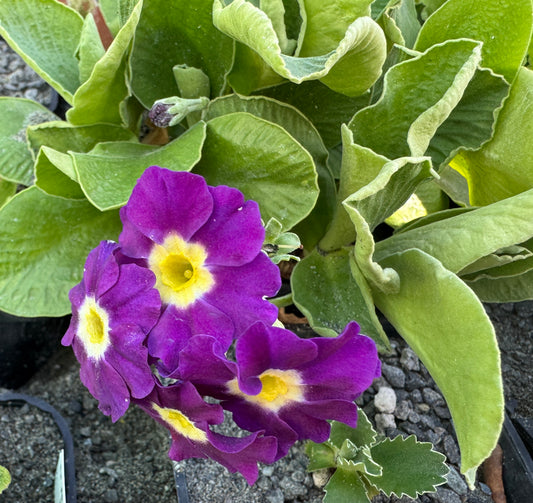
{"x": 280, "y": 387}
{"x": 93, "y": 328}
{"x": 181, "y": 274}
{"x": 180, "y": 423}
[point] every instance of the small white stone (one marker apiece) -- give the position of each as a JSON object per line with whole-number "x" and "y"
{"x": 384, "y": 421}
{"x": 385, "y": 400}
{"x": 321, "y": 477}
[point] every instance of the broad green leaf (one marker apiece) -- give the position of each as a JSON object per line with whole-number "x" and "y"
{"x": 403, "y": 122}
{"x": 55, "y": 174}
{"x": 16, "y": 160}
{"x": 331, "y": 292}
{"x": 325, "y": 108}
{"x": 504, "y": 27}
{"x": 465, "y": 238}
{"x": 5, "y": 478}
{"x": 400, "y": 23}
{"x": 185, "y": 36}
{"x": 264, "y": 162}
{"x": 275, "y": 10}
{"x": 471, "y": 123}
{"x": 320, "y": 456}
{"x": 445, "y": 324}
{"x": 433, "y": 217}
{"x": 497, "y": 260}
{"x": 409, "y": 467}
{"x": 454, "y": 185}
{"x": 358, "y": 459}
{"x": 503, "y": 166}
{"x": 363, "y": 434}
{"x": 7, "y": 191}
{"x": 345, "y": 487}
{"x": 36, "y": 274}
{"x": 90, "y": 49}
{"x": 46, "y": 34}
{"x": 99, "y": 98}
{"x": 62, "y": 136}
{"x": 504, "y": 289}
{"x": 358, "y": 56}
{"x": 109, "y": 172}
{"x": 374, "y": 185}
{"x": 428, "y": 198}
{"x": 326, "y": 23}
{"x": 116, "y": 12}
{"x": 297, "y": 125}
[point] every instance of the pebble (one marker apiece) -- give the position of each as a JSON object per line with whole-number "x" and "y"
{"x": 409, "y": 360}
{"x": 384, "y": 421}
{"x": 414, "y": 381}
{"x": 431, "y": 397}
{"x": 275, "y": 496}
{"x": 402, "y": 410}
{"x": 456, "y": 482}
{"x": 385, "y": 400}
{"x": 447, "y": 496}
{"x": 451, "y": 450}
{"x": 394, "y": 375}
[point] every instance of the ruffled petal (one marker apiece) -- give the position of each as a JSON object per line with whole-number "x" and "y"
{"x": 164, "y": 202}
{"x": 233, "y": 234}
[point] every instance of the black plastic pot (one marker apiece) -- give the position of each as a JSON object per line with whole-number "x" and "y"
{"x": 25, "y": 346}
{"x": 517, "y": 465}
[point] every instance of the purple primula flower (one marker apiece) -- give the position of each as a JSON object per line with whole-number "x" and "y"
{"x": 203, "y": 244}
{"x": 182, "y": 410}
{"x": 287, "y": 386}
{"x": 113, "y": 309}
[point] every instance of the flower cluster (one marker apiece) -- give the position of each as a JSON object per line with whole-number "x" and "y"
{"x": 186, "y": 282}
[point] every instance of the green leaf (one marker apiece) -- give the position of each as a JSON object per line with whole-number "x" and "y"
{"x": 55, "y": 174}
{"x": 465, "y": 238}
{"x": 331, "y": 292}
{"x": 445, "y": 324}
{"x": 5, "y": 478}
{"x": 185, "y": 36}
{"x": 363, "y": 434}
{"x": 326, "y": 23}
{"x": 325, "y": 108}
{"x": 471, "y": 123}
{"x": 46, "y": 34}
{"x": 372, "y": 184}
{"x": 62, "y": 136}
{"x": 109, "y": 172}
{"x": 409, "y": 467}
{"x": 345, "y": 487}
{"x": 504, "y": 27}
{"x": 264, "y": 162}
{"x": 99, "y": 99}
{"x": 299, "y": 127}
{"x": 403, "y": 122}
{"x": 358, "y": 459}
{"x": 320, "y": 456}
{"x": 502, "y": 167}
{"x": 36, "y": 274}
{"x": 90, "y": 49}
{"x": 399, "y": 21}
{"x": 503, "y": 289}
{"x": 16, "y": 161}
{"x": 275, "y": 10}
{"x": 7, "y": 191}
{"x": 358, "y": 56}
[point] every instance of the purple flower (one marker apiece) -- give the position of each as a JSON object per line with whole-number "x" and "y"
{"x": 287, "y": 386}
{"x": 203, "y": 244}
{"x": 183, "y": 411}
{"x": 113, "y": 309}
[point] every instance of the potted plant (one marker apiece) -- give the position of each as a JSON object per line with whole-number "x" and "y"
{"x": 411, "y": 115}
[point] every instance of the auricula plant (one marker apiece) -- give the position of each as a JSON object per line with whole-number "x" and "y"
{"x": 389, "y": 138}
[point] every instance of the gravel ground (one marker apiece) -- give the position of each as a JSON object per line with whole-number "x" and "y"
{"x": 127, "y": 461}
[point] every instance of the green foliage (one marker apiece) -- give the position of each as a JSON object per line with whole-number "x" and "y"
{"x": 365, "y": 465}
{"x": 5, "y": 478}
{"x": 358, "y": 111}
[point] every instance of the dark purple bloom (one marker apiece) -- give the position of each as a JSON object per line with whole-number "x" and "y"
{"x": 187, "y": 416}
{"x": 113, "y": 309}
{"x": 203, "y": 244}
{"x": 287, "y": 386}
